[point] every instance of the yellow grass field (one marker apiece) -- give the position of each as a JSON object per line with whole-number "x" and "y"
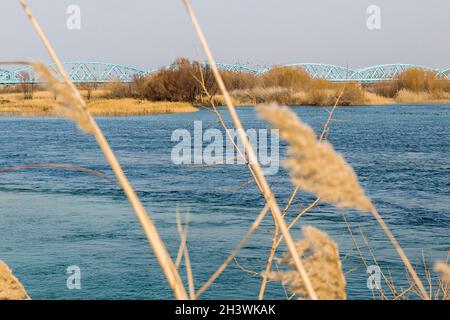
{"x": 42, "y": 105}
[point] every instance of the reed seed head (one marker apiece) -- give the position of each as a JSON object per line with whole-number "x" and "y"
{"x": 314, "y": 165}
{"x": 68, "y": 105}
{"x": 444, "y": 270}
{"x": 320, "y": 256}
{"x": 10, "y": 286}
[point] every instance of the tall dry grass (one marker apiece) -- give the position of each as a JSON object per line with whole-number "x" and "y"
{"x": 276, "y": 240}
{"x": 266, "y": 190}
{"x": 444, "y": 270}
{"x": 413, "y": 97}
{"x": 315, "y": 270}
{"x": 10, "y": 286}
{"x": 73, "y": 106}
{"x": 44, "y": 101}
{"x": 314, "y": 165}
{"x": 126, "y": 107}
{"x": 317, "y": 168}
{"x": 413, "y": 86}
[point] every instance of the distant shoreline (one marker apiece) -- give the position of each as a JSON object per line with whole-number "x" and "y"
{"x": 155, "y": 93}
{"x": 42, "y": 107}
{"x": 99, "y": 107}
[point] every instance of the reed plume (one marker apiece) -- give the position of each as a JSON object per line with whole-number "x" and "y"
{"x": 315, "y": 166}
{"x": 10, "y": 286}
{"x": 260, "y": 178}
{"x": 444, "y": 270}
{"x": 68, "y": 105}
{"x": 320, "y": 256}
{"x": 75, "y": 109}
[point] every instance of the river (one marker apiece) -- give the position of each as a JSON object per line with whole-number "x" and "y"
{"x": 51, "y": 219}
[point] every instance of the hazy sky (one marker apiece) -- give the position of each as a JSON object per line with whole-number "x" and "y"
{"x": 150, "y": 33}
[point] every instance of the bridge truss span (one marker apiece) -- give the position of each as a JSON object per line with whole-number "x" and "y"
{"x": 384, "y": 72}
{"x": 101, "y": 72}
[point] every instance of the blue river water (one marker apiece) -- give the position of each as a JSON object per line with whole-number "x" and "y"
{"x": 51, "y": 219}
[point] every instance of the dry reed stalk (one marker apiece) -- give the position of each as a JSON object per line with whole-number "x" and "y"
{"x": 317, "y": 168}
{"x": 320, "y": 256}
{"x": 326, "y": 126}
{"x": 443, "y": 268}
{"x": 68, "y": 104}
{"x": 275, "y": 241}
{"x": 266, "y": 191}
{"x": 189, "y": 274}
{"x": 438, "y": 288}
{"x": 401, "y": 295}
{"x": 250, "y": 272}
{"x": 355, "y": 243}
{"x": 201, "y": 81}
{"x": 10, "y": 286}
{"x": 388, "y": 282}
{"x": 235, "y": 251}
{"x": 181, "y": 248}
{"x": 85, "y": 121}
{"x": 427, "y": 274}
{"x": 302, "y": 213}
{"x": 401, "y": 253}
{"x": 183, "y": 234}
{"x": 58, "y": 166}
{"x": 260, "y": 217}
{"x": 258, "y": 220}
{"x": 272, "y": 252}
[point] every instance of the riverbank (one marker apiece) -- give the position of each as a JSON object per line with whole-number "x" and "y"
{"x": 283, "y": 85}
{"x": 97, "y": 107}
{"x": 13, "y": 104}
{"x": 180, "y": 90}
{"x": 408, "y": 98}
{"x": 329, "y": 98}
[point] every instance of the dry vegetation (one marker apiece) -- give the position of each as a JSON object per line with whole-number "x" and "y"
{"x": 413, "y": 86}
{"x": 321, "y": 257}
{"x": 313, "y": 267}
{"x": 177, "y": 89}
{"x": 122, "y": 107}
{"x": 289, "y": 86}
{"x": 10, "y": 286}
{"x": 282, "y": 85}
{"x": 43, "y": 104}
